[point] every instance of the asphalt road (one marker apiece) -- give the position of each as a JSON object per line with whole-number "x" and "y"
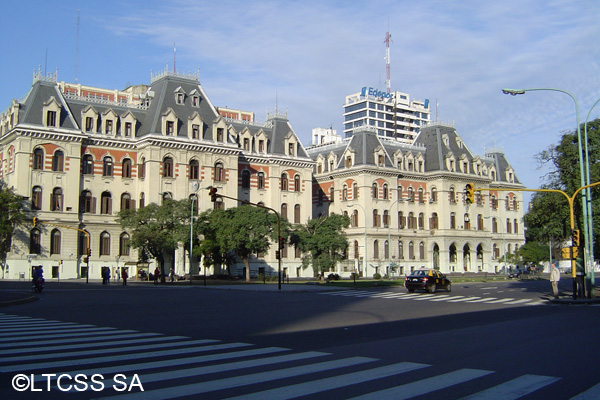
{"x": 499, "y": 340}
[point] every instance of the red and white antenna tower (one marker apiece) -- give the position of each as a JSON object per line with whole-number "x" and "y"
{"x": 388, "y": 39}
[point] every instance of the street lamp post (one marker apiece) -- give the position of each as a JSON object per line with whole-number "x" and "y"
{"x": 591, "y": 278}
{"x": 365, "y": 256}
{"x": 193, "y": 197}
{"x": 390, "y": 234}
{"x": 587, "y": 222}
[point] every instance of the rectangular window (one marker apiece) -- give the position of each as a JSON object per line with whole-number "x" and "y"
{"x": 109, "y": 127}
{"x": 128, "y": 129}
{"x": 170, "y": 127}
{"x": 89, "y": 124}
{"x": 195, "y": 131}
{"x": 51, "y": 118}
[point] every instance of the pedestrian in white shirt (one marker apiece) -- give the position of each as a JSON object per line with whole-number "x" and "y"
{"x": 554, "y": 278}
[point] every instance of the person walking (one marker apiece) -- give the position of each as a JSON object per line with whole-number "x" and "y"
{"x": 554, "y": 278}
{"x": 124, "y": 275}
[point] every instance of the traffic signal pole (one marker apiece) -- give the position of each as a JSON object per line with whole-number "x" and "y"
{"x": 575, "y": 236}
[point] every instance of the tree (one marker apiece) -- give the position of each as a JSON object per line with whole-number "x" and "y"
{"x": 548, "y": 216}
{"x": 534, "y": 252}
{"x": 246, "y": 230}
{"x": 324, "y": 240}
{"x": 156, "y": 231}
{"x": 11, "y": 217}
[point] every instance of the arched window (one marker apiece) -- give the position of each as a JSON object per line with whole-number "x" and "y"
{"x": 401, "y": 220}
{"x": 516, "y": 226}
{"x": 385, "y": 191}
{"x": 297, "y": 214}
{"x": 356, "y": 250}
{"x": 421, "y": 196}
{"x": 400, "y": 193}
{"x": 374, "y": 190}
{"x": 508, "y": 226}
{"x": 83, "y": 244}
{"x": 332, "y": 194}
{"x": 283, "y": 211}
{"x": 434, "y": 221}
{"x": 126, "y": 203}
{"x": 142, "y": 168}
{"x": 167, "y": 167}
{"x": 245, "y": 179}
{"x": 219, "y": 172}
{"x": 375, "y": 218}
{"x": 452, "y": 195}
{"x": 35, "y": 242}
{"x": 38, "y": 159}
{"x": 421, "y": 251}
{"x": 412, "y": 223}
{"x": 126, "y": 171}
{"x": 36, "y": 198}
{"x": 494, "y": 225}
{"x": 284, "y": 181}
{"x": 411, "y": 194}
{"x": 452, "y": 220}
{"x": 479, "y": 222}
{"x": 400, "y": 250}
{"x": 466, "y": 222}
{"x": 411, "y": 251}
{"x": 297, "y": 185}
{"x": 106, "y": 203}
{"x": 260, "y": 180}
{"x": 421, "y": 221}
{"x": 87, "y": 164}
{"x": 386, "y": 250}
{"x": 344, "y": 192}
{"x": 166, "y": 196}
{"x": 105, "y": 244}
{"x": 58, "y": 161}
{"x": 386, "y": 218}
{"x": 433, "y": 195}
{"x": 55, "y": 238}
{"x": 376, "y": 249}
{"x": 107, "y": 166}
{"x": 355, "y": 191}
{"x": 194, "y": 169}
{"x": 86, "y": 204}
{"x": 142, "y": 200}
{"x": 354, "y": 219}
{"x": 56, "y": 202}
{"x": 452, "y": 253}
{"x": 124, "y": 244}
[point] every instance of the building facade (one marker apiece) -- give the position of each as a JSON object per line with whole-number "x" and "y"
{"x": 393, "y": 115}
{"x": 407, "y": 202}
{"x": 80, "y": 154}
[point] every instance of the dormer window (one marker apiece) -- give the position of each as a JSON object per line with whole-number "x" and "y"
{"x": 108, "y": 127}
{"x": 170, "y": 128}
{"x": 195, "y": 131}
{"x": 291, "y": 149}
{"x": 261, "y": 146}
{"x": 195, "y": 101}
{"x": 180, "y": 98}
{"x": 220, "y": 132}
{"x": 247, "y": 144}
{"x": 89, "y": 124}
{"x": 50, "y": 118}
{"x": 381, "y": 160}
{"x": 128, "y": 129}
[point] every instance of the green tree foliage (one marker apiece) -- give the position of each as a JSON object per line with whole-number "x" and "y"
{"x": 11, "y": 217}
{"x": 324, "y": 240}
{"x": 157, "y": 230}
{"x": 243, "y": 231}
{"x": 548, "y": 217}
{"x": 533, "y": 253}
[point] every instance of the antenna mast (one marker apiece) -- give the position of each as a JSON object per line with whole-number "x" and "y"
{"x": 76, "y": 47}
{"x": 388, "y": 39}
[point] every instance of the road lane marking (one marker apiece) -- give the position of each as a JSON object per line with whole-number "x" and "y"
{"x": 447, "y": 298}
{"x": 498, "y": 301}
{"x": 237, "y": 381}
{"x": 590, "y": 394}
{"x": 425, "y": 386}
{"x": 321, "y": 385}
{"x": 514, "y": 389}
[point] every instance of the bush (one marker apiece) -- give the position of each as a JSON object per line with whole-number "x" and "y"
{"x": 354, "y": 275}
{"x": 333, "y": 277}
{"x": 377, "y": 275}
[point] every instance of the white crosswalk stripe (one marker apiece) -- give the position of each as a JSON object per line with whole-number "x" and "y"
{"x": 176, "y": 366}
{"x": 434, "y": 297}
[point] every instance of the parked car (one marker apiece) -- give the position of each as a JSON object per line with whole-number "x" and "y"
{"x": 516, "y": 273}
{"x": 427, "y": 279}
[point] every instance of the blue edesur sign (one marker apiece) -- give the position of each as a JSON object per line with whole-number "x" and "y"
{"x": 369, "y": 91}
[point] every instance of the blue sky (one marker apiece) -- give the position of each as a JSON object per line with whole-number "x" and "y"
{"x": 308, "y": 55}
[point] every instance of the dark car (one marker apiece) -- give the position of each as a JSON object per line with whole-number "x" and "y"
{"x": 427, "y": 279}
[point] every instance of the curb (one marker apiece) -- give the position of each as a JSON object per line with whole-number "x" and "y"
{"x": 22, "y": 300}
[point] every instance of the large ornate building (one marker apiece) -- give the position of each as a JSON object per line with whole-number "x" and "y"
{"x": 407, "y": 202}
{"x": 80, "y": 154}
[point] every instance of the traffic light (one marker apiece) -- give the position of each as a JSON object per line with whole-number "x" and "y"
{"x": 213, "y": 194}
{"x": 35, "y": 221}
{"x": 470, "y": 191}
{"x": 575, "y": 237}
{"x": 281, "y": 243}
